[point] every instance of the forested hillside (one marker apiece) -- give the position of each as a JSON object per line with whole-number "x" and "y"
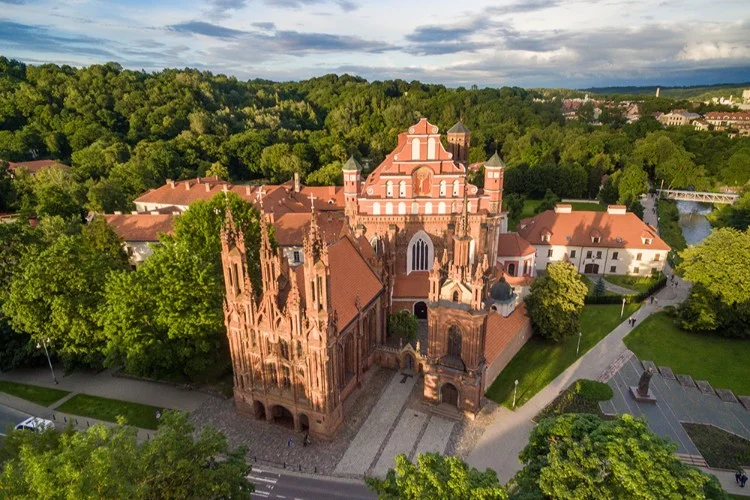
{"x": 124, "y": 131}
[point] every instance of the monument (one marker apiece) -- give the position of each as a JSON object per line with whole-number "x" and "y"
{"x": 642, "y": 392}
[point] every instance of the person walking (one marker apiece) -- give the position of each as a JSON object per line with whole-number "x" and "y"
{"x": 738, "y": 475}
{"x": 289, "y": 443}
{"x": 633, "y": 325}
{"x": 743, "y": 480}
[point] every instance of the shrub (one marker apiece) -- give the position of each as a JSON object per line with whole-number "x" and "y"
{"x": 593, "y": 390}
{"x": 403, "y": 324}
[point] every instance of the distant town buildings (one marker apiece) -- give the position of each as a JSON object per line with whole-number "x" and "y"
{"x": 677, "y": 118}
{"x": 35, "y": 166}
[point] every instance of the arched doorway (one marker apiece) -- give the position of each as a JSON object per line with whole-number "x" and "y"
{"x": 449, "y": 395}
{"x": 408, "y": 362}
{"x": 304, "y": 422}
{"x": 420, "y": 310}
{"x": 259, "y": 410}
{"x": 511, "y": 269}
{"x": 282, "y": 416}
{"x": 591, "y": 269}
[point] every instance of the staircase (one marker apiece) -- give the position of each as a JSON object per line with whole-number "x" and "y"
{"x": 696, "y": 460}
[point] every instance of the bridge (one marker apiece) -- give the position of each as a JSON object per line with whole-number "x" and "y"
{"x": 700, "y": 196}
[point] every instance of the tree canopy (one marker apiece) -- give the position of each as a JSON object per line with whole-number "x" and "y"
{"x": 556, "y": 300}
{"x": 583, "y": 456}
{"x": 108, "y": 462}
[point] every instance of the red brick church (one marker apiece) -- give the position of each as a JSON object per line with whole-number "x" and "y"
{"x": 414, "y": 235}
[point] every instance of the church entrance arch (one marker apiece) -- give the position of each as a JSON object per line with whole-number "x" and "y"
{"x": 591, "y": 269}
{"x": 259, "y": 410}
{"x": 304, "y": 422}
{"x": 420, "y": 310}
{"x": 449, "y": 395}
{"x": 282, "y": 416}
{"x": 408, "y": 362}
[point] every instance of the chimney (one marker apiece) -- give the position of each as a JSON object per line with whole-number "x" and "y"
{"x": 616, "y": 209}
{"x": 208, "y": 187}
{"x": 171, "y": 183}
{"x": 296, "y": 182}
{"x": 134, "y": 212}
{"x": 247, "y": 191}
{"x": 154, "y": 212}
{"x": 225, "y": 187}
{"x": 117, "y": 212}
{"x": 187, "y": 185}
{"x": 563, "y": 208}
{"x": 197, "y": 180}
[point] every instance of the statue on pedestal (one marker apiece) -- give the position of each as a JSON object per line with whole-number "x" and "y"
{"x": 644, "y": 382}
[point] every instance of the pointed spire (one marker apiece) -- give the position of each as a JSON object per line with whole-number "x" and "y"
{"x": 351, "y": 165}
{"x": 495, "y": 161}
{"x": 445, "y": 257}
{"x": 294, "y": 298}
{"x": 436, "y": 265}
{"x": 463, "y": 223}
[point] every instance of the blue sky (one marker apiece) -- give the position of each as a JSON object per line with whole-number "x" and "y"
{"x": 532, "y": 43}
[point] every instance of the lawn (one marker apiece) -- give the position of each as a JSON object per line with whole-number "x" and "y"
{"x": 39, "y": 395}
{"x": 639, "y": 284}
{"x": 589, "y": 207}
{"x": 528, "y": 208}
{"x": 591, "y": 284}
{"x": 540, "y": 361}
{"x": 721, "y": 361}
{"x": 135, "y": 414}
{"x": 581, "y": 397}
{"x": 720, "y": 448}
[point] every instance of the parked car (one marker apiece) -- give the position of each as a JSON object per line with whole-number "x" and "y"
{"x": 35, "y": 424}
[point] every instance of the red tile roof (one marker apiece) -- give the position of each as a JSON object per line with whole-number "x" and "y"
{"x": 501, "y": 331}
{"x": 291, "y": 228}
{"x": 351, "y": 277}
{"x": 36, "y": 165}
{"x": 576, "y": 228}
{"x": 140, "y": 227}
{"x": 512, "y": 245}
{"x": 414, "y": 285}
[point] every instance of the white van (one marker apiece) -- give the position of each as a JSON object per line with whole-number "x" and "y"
{"x": 35, "y": 424}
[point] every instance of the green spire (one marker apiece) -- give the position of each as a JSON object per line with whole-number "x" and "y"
{"x": 351, "y": 165}
{"x": 494, "y": 161}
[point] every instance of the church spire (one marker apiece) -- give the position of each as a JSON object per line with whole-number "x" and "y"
{"x": 463, "y": 222}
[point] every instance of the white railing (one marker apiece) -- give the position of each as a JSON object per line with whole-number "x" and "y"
{"x": 700, "y": 196}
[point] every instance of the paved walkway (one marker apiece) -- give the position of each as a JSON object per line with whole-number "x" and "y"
{"x": 105, "y": 385}
{"x": 393, "y": 428}
{"x": 501, "y": 443}
{"x": 611, "y": 287}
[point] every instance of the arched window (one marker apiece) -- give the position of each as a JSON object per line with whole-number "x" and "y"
{"x": 512, "y": 269}
{"x": 420, "y": 252}
{"x": 376, "y": 208}
{"x": 402, "y": 189}
{"x": 389, "y": 208}
{"x": 428, "y": 208}
{"x": 431, "y": 148}
{"x": 271, "y": 374}
{"x": 415, "y": 208}
{"x": 455, "y": 187}
{"x": 283, "y": 349}
{"x": 456, "y": 296}
{"x": 389, "y": 189}
{"x": 374, "y": 243}
{"x": 442, "y": 188}
{"x": 286, "y": 377}
{"x": 441, "y": 207}
{"x": 402, "y": 208}
{"x": 415, "y": 146}
{"x": 454, "y": 341}
{"x": 299, "y": 349}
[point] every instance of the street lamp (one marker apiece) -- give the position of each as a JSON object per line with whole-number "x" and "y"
{"x": 578, "y": 348}
{"x": 44, "y": 343}
{"x": 514, "y": 394}
{"x": 622, "y": 311}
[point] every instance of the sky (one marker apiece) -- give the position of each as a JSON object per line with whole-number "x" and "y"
{"x": 531, "y": 43}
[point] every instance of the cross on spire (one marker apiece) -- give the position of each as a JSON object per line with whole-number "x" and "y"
{"x": 259, "y": 195}
{"x": 312, "y": 202}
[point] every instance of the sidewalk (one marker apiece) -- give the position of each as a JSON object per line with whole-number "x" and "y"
{"x": 103, "y": 384}
{"x": 499, "y": 446}
{"x": 726, "y": 478}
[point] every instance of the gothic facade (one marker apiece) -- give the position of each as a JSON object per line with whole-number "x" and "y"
{"x": 417, "y": 236}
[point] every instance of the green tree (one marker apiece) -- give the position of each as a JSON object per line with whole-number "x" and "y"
{"x": 669, "y": 161}
{"x": 328, "y": 175}
{"x": 600, "y": 289}
{"x": 403, "y": 324}
{"x": 109, "y": 462}
{"x": 56, "y": 192}
{"x": 166, "y": 318}
{"x": 583, "y": 456}
{"x": 436, "y": 476}
{"x": 556, "y": 301}
{"x": 279, "y": 164}
{"x": 549, "y": 202}
{"x": 514, "y": 205}
{"x": 737, "y": 170}
{"x": 632, "y": 183}
{"x": 7, "y": 189}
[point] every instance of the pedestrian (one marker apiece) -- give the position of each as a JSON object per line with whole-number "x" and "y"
{"x": 743, "y": 480}
{"x": 289, "y": 443}
{"x": 671, "y": 278}
{"x": 738, "y": 475}
{"x": 306, "y": 439}
{"x": 633, "y": 322}
{"x": 656, "y": 300}
{"x": 652, "y": 299}
{"x": 630, "y": 321}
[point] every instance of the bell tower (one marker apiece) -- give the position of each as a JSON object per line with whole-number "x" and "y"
{"x": 459, "y": 141}
{"x": 352, "y": 178}
{"x": 317, "y": 273}
{"x": 494, "y": 169}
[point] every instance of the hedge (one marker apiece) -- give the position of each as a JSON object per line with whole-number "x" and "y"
{"x": 629, "y": 299}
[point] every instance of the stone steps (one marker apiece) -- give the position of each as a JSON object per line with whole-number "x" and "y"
{"x": 696, "y": 460}
{"x": 615, "y": 366}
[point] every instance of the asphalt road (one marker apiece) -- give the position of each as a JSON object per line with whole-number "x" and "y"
{"x": 280, "y": 486}
{"x": 10, "y": 417}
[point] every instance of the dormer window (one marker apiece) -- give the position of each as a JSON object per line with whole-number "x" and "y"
{"x": 596, "y": 239}
{"x": 647, "y": 241}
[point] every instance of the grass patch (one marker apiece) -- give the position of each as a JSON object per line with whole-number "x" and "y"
{"x": 639, "y": 284}
{"x": 588, "y": 207}
{"x": 720, "y": 448}
{"x": 540, "y": 361}
{"x": 528, "y": 208}
{"x": 138, "y": 415}
{"x": 40, "y": 395}
{"x": 581, "y": 397}
{"x": 670, "y": 230}
{"x": 722, "y": 361}
{"x": 591, "y": 284}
